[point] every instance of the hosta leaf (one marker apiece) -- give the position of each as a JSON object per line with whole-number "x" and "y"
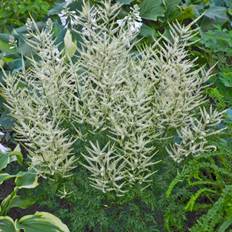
{"x": 7, "y": 225}
{"x": 217, "y": 13}
{"x": 4, "y": 160}
{"x": 18, "y": 202}
{"x": 43, "y": 222}
{"x": 226, "y": 78}
{"x": 26, "y": 180}
{"x": 172, "y": 5}
{"x": 151, "y": 9}
{"x": 147, "y": 31}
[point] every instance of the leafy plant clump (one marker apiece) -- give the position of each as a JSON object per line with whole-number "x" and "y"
{"x": 15, "y": 13}
{"x": 202, "y": 190}
{"x": 116, "y": 108}
{"x": 40, "y": 221}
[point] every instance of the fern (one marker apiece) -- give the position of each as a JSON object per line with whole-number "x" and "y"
{"x": 203, "y": 187}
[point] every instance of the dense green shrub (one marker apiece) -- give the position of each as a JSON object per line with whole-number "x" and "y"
{"x": 198, "y": 195}
{"x": 14, "y": 13}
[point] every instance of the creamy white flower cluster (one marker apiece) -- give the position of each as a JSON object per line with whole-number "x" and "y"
{"x": 117, "y": 104}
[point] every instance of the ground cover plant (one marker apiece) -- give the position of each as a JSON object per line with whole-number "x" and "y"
{"x": 11, "y": 199}
{"x": 116, "y": 105}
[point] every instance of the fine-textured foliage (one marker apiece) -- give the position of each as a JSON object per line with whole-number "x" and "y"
{"x": 202, "y": 188}
{"x": 117, "y": 102}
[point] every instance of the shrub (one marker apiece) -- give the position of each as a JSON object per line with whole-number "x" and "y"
{"x": 15, "y": 13}
{"x": 115, "y": 105}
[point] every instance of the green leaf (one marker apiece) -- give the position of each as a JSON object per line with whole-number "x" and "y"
{"x": 18, "y": 202}
{"x": 217, "y": 13}
{"x": 41, "y": 221}
{"x": 151, "y": 9}
{"x": 4, "y": 177}
{"x": 4, "y": 160}
{"x": 171, "y": 6}
{"x": 7, "y": 225}
{"x": 226, "y": 78}
{"x": 147, "y": 31}
{"x": 26, "y": 180}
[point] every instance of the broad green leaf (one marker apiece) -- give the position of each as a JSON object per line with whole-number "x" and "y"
{"x": 7, "y": 225}
{"x": 171, "y": 6}
{"x": 41, "y": 221}
{"x": 6, "y": 204}
{"x": 217, "y": 13}
{"x": 4, "y": 160}
{"x": 18, "y": 202}
{"x": 147, "y": 31}
{"x": 4, "y": 177}
{"x": 26, "y": 180}
{"x": 69, "y": 44}
{"x": 151, "y": 10}
{"x": 186, "y": 12}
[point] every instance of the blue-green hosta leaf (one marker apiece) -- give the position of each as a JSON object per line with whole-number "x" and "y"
{"x": 151, "y": 9}
{"x": 172, "y": 5}
{"x": 7, "y": 225}
{"x": 217, "y": 13}
{"x": 26, "y": 180}
{"x": 41, "y": 222}
{"x": 147, "y": 31}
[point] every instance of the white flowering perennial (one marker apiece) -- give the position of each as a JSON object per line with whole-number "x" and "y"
{"x": 115, "y": 103}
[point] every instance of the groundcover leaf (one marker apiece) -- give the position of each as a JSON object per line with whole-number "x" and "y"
{"x": 4, "y": 160}
{"x": 217, "y": 13}
{"x": 26, "y": 180}
{"x": 151, "y": 9}
{"x": 7, "y": 225}
{"x": 41, "y": 221}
